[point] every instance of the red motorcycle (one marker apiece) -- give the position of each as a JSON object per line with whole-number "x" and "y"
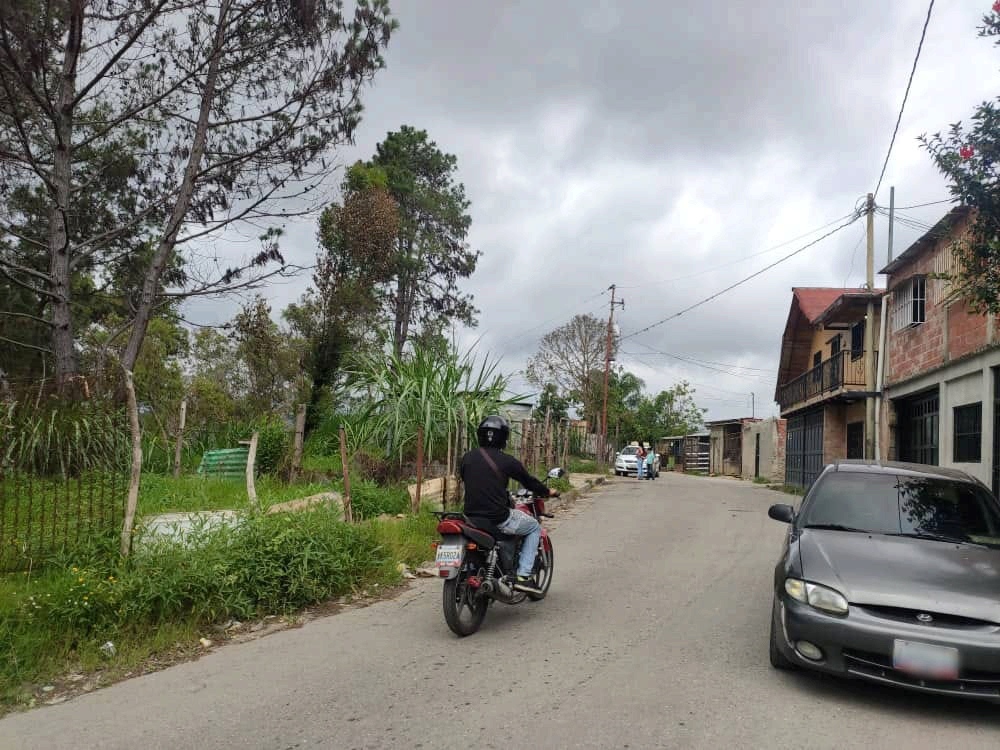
{"x": 479, "y": 564}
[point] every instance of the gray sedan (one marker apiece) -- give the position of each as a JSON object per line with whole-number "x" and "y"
{"x": 891, "y": 573}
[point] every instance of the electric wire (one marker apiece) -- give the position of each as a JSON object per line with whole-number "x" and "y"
{"x": 906, "y": 94}
{"x": 854, "y": 217}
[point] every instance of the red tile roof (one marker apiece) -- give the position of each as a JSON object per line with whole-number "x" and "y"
{"x": 814, "y": 300}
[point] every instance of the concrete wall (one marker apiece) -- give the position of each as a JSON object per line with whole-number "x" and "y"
{"x": 772, "y": 448}
{"x": 961, "y": 383}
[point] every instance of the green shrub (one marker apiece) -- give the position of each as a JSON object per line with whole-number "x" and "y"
{"x": 369, "y": 500}
{"x": 273, "y": 446}
{"x": 578, "y": 465}
{"x": 562, "y": 484}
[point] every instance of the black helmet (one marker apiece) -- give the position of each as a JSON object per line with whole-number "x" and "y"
{"x": 493, "y": 432}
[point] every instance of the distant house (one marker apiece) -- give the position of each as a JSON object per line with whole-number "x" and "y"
{"x": 822, "y": 378}
{"x": 942, "y": 370}
{"x": 764, "y": 449}
{"x": 689, "y": 452}
{"x": 726, "y": 445}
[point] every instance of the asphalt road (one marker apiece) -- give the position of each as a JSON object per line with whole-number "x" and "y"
{"x": 654, "y": 635}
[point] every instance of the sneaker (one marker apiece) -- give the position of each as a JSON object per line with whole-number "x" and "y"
{"x": 527, "y": 585}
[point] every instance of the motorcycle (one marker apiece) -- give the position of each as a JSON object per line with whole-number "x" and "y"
{"x": 479, "y": 565}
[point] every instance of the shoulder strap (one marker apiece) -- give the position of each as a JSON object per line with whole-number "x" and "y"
{"x": 493, "y": 465}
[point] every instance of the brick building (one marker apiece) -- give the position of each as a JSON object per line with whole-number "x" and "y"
{"x": 822, "y": 378}
{"x": 942, "y": 368}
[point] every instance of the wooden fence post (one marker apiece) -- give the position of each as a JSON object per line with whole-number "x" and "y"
{"x": 180, "y": 437}
{"x": 548, "y": 438}
{"x": 134, "y": 478}
{"x": 251, "y": 483}
{"x": 300, "y": 433}
{"x": 420, "y": 469}
{"x": 566, "y": 439}
{"x": 348, "y": 510}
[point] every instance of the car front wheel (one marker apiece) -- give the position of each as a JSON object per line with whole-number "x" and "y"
{"x": 778, "y": 659}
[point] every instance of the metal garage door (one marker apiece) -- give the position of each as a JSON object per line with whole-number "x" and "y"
{"x": 804, "y": 448}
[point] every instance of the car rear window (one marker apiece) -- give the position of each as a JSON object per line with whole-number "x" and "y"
{"x": 890, "y": 504}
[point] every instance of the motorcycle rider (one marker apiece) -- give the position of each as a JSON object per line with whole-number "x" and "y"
{"x": 485, "y": 472}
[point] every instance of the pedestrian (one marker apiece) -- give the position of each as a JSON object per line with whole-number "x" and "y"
{"x": 640, "y": 461}
{"x": 650, "y": 461}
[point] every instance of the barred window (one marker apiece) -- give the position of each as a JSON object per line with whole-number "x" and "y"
{"x": 909, "y": 304}
{"x": 968, "y": 433}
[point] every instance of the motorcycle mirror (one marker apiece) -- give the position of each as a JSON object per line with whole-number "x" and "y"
{"x": 556, "y": 472}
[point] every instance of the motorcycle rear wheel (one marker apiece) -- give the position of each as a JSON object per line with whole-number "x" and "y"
{"x": 458, "y": 598}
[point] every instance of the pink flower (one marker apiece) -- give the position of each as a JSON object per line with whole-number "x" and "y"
{"x": 996, "y": 7}
{"x": 966, "y": 152}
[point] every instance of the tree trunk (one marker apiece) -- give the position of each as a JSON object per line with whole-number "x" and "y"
{"x": 165, "y": 248}
{"x": 348, "y": 510}
{"x": 63, "y": 344}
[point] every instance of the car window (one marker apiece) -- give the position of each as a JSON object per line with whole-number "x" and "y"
{"x": 887, "y": 504}
{"x": 629, "y": 450}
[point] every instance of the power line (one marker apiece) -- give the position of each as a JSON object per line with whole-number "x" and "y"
{"x": 702, "y": 363}
{"x": 906, "y": 94}
{"x": 740, "y": 260}
{"x": 854, "y": 254}
{"x": 923, "y": 205}
{"x": 853, "y": 219}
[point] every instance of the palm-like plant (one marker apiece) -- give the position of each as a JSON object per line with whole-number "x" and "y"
{"x": 425, "y": 391}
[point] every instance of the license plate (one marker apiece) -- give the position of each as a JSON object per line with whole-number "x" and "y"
{"x": 925, "y": 660}
{"x": 448, "y": 554}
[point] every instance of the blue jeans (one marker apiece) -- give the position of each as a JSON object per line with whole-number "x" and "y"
{"x": 639, "y": 466}
{"x": 519, "y": 523}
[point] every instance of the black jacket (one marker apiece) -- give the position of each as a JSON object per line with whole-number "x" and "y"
{"x": 485, "y": 492}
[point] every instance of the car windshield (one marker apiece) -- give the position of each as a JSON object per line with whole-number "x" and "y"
{"x": 629, "y": 450}
{"x": 903, "y": 505}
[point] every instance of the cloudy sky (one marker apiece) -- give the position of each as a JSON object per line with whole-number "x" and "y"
{"x": 656, "y": 145}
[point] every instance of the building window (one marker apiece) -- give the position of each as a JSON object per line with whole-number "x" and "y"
{"x": 968, "y": 433}
{"x": 909, "y": 303}
{"x": 917, "y": 428}
{"x": 858, "y": 340}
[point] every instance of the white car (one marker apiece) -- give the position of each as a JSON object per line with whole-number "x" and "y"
{"x": 625, "y": 462}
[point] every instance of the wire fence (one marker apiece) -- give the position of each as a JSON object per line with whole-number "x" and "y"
{"x": 64, "y": 465}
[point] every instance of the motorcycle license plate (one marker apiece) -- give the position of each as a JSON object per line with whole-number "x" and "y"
{"x": 449, "y": 553}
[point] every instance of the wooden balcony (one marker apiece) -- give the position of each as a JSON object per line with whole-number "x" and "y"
{"x": 841, "y": 374}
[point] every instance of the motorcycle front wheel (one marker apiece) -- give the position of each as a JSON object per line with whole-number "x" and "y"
{"x": 463, "y": 611}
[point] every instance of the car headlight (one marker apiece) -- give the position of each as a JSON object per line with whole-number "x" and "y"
{"x": 816, "y": 596}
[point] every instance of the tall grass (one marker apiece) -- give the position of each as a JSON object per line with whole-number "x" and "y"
{"x": 63, "y": 438}
{"x": 55, "y": 621}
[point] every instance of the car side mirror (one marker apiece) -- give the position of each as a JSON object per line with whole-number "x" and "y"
{"x": 781, "y": 512}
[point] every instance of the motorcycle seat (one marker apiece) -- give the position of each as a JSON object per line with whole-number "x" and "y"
{"x": 489, "y": 530}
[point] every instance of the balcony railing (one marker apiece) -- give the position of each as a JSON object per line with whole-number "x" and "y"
{"x": 843, "y": 371}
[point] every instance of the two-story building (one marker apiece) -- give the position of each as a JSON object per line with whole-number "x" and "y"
{"x": 942, "y": 368}
{"x": 822, "y": 378}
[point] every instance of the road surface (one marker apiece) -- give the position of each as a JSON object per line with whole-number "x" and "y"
{"x": 654, "y": 635}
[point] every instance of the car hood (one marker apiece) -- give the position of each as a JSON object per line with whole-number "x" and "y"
{"x": 870, "y": 569}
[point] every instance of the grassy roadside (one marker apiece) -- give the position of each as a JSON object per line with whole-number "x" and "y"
{"x": 54, "y": 623}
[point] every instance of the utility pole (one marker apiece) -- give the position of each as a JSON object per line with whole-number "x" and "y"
{"x": 753, "y": 406}
{"x": 870, "y": 337}
{"x": 607, "y": 366}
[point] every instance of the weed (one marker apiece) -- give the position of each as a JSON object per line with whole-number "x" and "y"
{"x": 56, "y": 620}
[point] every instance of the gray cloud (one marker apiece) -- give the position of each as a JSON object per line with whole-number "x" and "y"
{"x": 653, "y": 145}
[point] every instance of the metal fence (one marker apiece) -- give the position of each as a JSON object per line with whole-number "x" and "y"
{"x": 64, "y": 466}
